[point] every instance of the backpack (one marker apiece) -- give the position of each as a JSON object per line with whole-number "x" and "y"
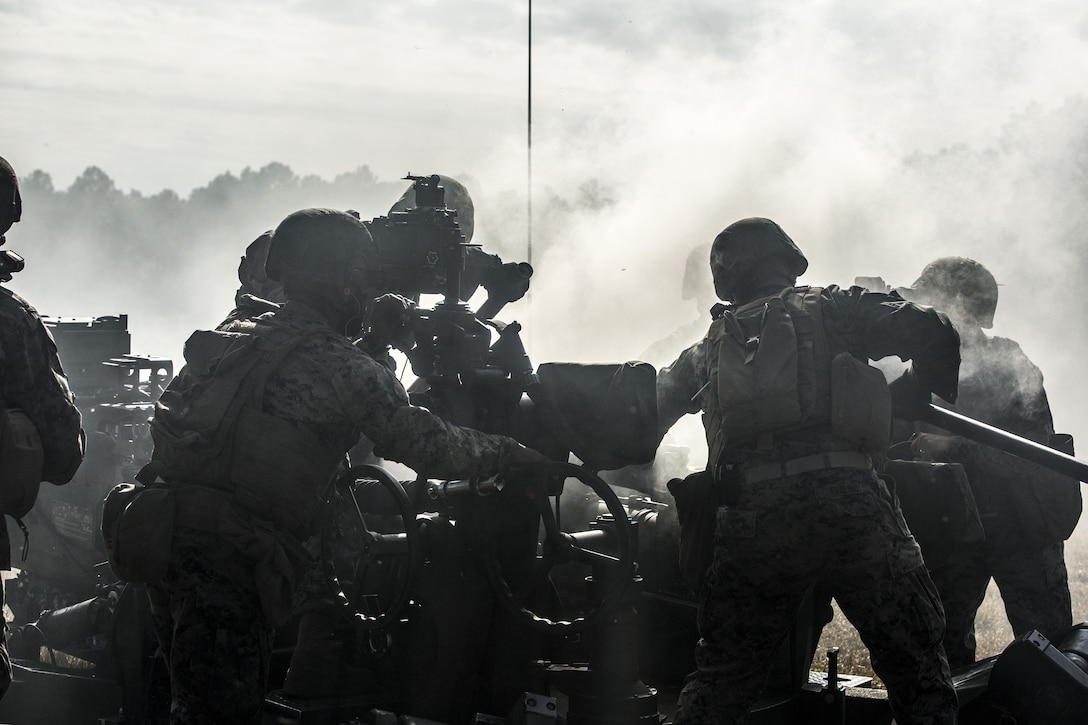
{"x": 209, "y": 428}
{"x": 771, "y": 371}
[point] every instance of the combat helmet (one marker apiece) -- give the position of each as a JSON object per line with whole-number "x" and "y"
{"x": 456, "y": 198}
{"x": 321, "y": 247}
{"x": 251, "y": 271}
{"x": 959, "y": 286}
{"x": 744, "y": 246}
{"x": 11, "y": 203}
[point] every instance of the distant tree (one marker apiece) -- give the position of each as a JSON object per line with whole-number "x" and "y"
{"x": 361, "y": 177}
{"x": 93, "y": 183}
{"x": 38, "y": 182}
{"x": 275, "y": 178}
{"x": 217, "y": 194}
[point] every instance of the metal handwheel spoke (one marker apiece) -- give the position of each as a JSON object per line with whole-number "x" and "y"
{"x": 360, "y": 519}
{"x": 388, "y": 544}
{"x": 547, "y": 515}
{"x": 369, "y": 572}
{"x": 560, "y": 547}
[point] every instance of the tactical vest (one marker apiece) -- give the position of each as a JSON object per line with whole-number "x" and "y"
{"x": 209, "y": 429}
{"x": 770, "y": 371}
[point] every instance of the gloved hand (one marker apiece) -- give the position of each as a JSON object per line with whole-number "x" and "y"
{"x": 900, "y": 451}
{"x": 387, "y": 322}
{"x": 523, "y": 456}
{"x": 909, "y": 399}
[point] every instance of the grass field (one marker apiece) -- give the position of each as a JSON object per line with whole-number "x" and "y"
{"x": 992, "y": 631}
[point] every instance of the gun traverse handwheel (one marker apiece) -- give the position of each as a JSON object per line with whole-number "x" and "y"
{"x": 560, "y": 547}
{"x": 368, "y": 546}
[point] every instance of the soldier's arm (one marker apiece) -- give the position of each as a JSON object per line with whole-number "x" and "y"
{"x": 415, "y": 436}
{"x": 35, "y": 382}
{"x": 1003, "y": 388}
{"x": 1019, "y": 402}
{"x": 887, "y": 324}
{"x": 680, "y": 387}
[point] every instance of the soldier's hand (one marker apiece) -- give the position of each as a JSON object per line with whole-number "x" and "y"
{"x": 933, "y": 447}
{"x": 387, "y": 323}
{"x": 901, "y": 451}
{"x": 522, "y": 456}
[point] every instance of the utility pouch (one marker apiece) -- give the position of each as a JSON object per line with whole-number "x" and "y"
{"x": 861, "y": 406}
{"x": 1047, "y": 504}
{"x": 138, "y": 531}
{"x": 757, "y": 370}
{"x": 21, "y": 458}
{"x": 697, "y": 511}
{"x": 1061, "y": 497}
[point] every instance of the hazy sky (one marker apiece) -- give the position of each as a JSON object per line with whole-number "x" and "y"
{"x": 880, "y": 135}
{"x": 167, "y": 95}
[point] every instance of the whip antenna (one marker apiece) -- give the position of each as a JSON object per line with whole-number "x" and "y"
{"x": 529, "y": 144}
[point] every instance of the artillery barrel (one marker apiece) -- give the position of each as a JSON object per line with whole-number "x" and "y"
{"x": 986, "y": 434}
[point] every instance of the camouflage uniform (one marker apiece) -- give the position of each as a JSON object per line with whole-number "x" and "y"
{"x": 838, "y": 528}
{"x": 1027, "y": 512}
{"x": 31, "y": 378}
{"x": 208, "y": 610}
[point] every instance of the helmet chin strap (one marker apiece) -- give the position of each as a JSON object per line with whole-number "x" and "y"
{"x": 354, "y": 310}
{"x": 361, "y": 287}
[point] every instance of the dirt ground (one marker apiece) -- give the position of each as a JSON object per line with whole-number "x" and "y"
{"x": 992, "y": 631}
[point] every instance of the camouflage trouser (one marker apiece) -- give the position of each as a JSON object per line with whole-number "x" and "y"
{"x": 211, "y": 629}
{"x": 837, "y": 528}
{"x": 1034, "y": 586}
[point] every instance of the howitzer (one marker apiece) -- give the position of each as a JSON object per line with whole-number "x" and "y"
{"x": 491, "y": 385}
{"x": 474, "y": 371}
{"x": 1051, "y": 458}
{"x": 86, "y": 662}
{"x": 422, "y": 250}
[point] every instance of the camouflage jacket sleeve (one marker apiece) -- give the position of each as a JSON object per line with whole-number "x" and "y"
{"x": 680, "y": 386}
{"x": 413, "y": 435}
{"x": 34, "y": 381}
{"x": 1002, "y": 387}
{"x": 873, "y": 325}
